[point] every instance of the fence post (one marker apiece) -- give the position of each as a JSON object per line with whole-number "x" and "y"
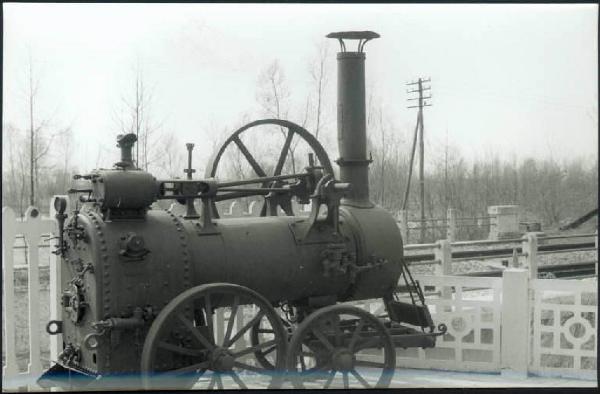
{"x": 403, "y": 221}
{"x": 451, "y": 229}
{"x": 530, "y": 247}
{"x": 443, "y": 253}
{"x": 10, "y": 226}
{"x": 515, "y": 333}
{"x": 33, "y": 228}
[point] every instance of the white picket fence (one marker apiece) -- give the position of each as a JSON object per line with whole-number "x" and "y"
{"x": 553, "y": 325}
{"x": 32, "y": 228}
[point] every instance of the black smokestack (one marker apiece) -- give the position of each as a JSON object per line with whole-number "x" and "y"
{"x": 125, "y": 142}
{"x": 351, "y": 117}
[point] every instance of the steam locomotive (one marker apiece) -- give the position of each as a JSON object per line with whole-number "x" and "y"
{"x": 158, "y": 295}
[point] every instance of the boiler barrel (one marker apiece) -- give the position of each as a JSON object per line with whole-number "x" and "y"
{"x": 262, "y": 254}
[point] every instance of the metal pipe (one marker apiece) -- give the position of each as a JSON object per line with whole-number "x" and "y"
{"x": 261, "y": 180}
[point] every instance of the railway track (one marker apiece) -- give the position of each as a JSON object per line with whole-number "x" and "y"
{"x": 577, "y": 270}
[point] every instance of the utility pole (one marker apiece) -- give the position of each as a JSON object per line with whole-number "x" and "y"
{"x": 419, "y": 129}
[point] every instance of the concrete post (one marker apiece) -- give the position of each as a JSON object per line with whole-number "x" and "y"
{"x": 504, "y": 221}
{"x": 403, "y": 223}
{"x": 515, "y": 323}
{"x": 530, "y": 247}
{"x": 443, "y": 253}
{"x": 451, "y": 229}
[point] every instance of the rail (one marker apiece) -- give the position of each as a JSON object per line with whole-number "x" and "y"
{"x": 517, "y": 252}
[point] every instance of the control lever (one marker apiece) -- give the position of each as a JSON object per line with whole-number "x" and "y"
{"x": 60, "y": 205}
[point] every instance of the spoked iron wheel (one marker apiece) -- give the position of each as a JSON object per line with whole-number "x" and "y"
{"x": 183, "y": 350}
{"x": 293, "y": 131}
{"x": 341, "y": 346}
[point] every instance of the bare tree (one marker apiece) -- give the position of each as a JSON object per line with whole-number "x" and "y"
{"x": 41, "y": 133}
{"x": 273, "y": 95}
{"x": 320, "y": 78}
{"x": 14, "y": 179}
{"x": 172, "y": 160}
{"x": 38, "y": 144}
{"x": 138, "y": 120}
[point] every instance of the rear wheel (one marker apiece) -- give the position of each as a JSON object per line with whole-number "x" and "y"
{"x": 341, "y": 346}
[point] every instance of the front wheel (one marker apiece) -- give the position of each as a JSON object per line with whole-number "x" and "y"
{"x": 182, "y": 349}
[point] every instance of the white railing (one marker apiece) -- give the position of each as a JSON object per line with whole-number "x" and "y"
{"x": 565, "y": 318}
{"x": 473, "y": 319}
{"x": 541, "y": 326}
{"x": 31, "y": 229}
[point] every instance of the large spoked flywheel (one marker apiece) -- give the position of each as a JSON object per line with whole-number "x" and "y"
{"x": 256, "y": 136}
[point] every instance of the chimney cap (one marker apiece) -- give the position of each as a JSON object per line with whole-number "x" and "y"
{"x": 362, "y": 36}
{"x": 126, "y": 139}
{"x": 354, "y": 35}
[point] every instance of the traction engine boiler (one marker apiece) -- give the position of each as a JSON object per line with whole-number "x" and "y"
{"x": 178, "y": 299}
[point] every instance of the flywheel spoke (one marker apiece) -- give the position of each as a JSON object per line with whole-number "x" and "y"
{"x": 255, "y": 166}
{"x": 284, "y": 151}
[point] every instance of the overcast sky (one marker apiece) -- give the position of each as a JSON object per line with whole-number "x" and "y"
{"x": 507, "y": 79}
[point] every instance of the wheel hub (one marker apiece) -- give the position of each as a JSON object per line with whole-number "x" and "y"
{"x": 343, "y": 360}
{"x": 221, "y": 360}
